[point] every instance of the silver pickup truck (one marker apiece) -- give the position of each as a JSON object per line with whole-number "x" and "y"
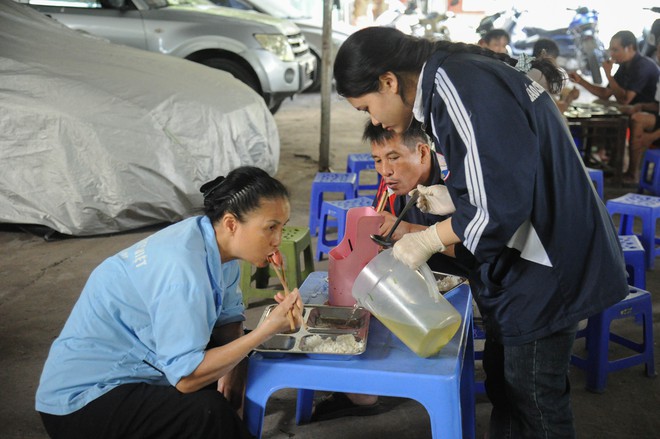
{"x": 268, "y": 54}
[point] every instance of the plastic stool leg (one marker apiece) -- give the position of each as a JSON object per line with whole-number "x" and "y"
{"x": 597, "y": 346}
{"x": 468, "y": 390}
{"x": 253, "y": 415}
{"x": 648, "y": 344}
{"x": 304, "y": 405}
{"x": 626, "y": 224}
{"x": 308, "y": 259}
{"x": 260, "y": 276}
{"x": 648, "y": 236}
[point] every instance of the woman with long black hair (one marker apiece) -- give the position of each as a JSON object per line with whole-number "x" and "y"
{"x": 521, "y": 203}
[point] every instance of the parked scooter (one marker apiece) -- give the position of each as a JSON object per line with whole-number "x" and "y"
{"x": 590, "y": 49}
{"x": 410, "y": 20}
{"x": 579, "y": 44}
{"x": 648, "y": 43}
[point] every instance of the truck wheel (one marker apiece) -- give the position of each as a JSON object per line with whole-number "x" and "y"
{"x": 594, "y": 68}
{"x": 316, "y": 85}
{"x": 236, "y": 70}
{"x": 275, "y": 107}
{"x": 591, "y": 53}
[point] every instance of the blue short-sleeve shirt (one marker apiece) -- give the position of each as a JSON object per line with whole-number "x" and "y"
{"x": 145, "y": 315}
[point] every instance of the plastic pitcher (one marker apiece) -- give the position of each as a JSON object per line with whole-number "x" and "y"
{"x": 407, "y": 302}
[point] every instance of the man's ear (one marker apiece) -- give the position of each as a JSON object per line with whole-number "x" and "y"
{"x": 388, "y": 82}
{"x": 424, "y": 151}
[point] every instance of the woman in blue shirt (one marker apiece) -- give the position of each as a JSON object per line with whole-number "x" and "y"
{"x": 546, "y": 251}
{"x": 154, "y": 346}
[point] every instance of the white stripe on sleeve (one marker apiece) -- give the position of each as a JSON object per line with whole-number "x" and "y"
{"x": 473, "y": 172}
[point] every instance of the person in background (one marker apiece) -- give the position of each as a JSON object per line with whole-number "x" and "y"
{"x": 644, "y": 126}
{"x": 513, "y": 174}
{"x": 155, "y": 346}
{"x": 633, "y": 83}
{"x": 546, "y": 48}
{"x": 404, "y": 161}
{"x": 496, "y": 40}
{"x": 635, "y": 79}
{"x": 644, "y": 132}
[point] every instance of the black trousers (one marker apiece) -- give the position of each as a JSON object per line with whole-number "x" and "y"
{"x": 142, "y": 411}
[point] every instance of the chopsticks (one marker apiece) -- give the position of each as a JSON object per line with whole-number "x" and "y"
{"x": 277, "y": 267}
{"x": 383, "y": 197}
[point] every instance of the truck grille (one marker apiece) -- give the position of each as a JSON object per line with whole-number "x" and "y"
{"x": 298, "y": 44}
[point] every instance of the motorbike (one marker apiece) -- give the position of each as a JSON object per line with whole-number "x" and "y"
{"x": 648, "y": 44}
{"x": 579, "y": 44}
{"x": 410, "y": 20}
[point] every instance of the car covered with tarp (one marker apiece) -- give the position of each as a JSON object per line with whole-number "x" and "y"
{"x": 97, "y": 138}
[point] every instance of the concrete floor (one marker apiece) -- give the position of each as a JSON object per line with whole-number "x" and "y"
{"x": 40, "y": 282}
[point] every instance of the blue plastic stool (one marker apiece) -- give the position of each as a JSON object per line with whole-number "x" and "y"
{"x": 596, "y": 176}
{"x": 598, "y": 335}
{"x": 635, "y": 256}
{"x": 324, "y": 182}
{"x": 337, "y": 210}
{"x": 357, "y": 163}
{"x": 645, "y": 207}
{"x": 650, "y": 176}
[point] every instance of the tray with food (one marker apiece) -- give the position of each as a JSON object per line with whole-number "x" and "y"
{"x": 328, "y": 333}
{"x": 447, "y": 282}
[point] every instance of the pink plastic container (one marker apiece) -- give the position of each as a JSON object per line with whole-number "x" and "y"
{"x": 352, "y": 254}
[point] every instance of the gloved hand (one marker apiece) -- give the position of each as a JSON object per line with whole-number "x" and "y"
{"x": 413, "y": 249}
{"x": 435, "y": 199}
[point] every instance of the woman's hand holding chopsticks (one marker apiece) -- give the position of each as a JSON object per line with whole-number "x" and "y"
{"x": 285, "y": 313}
{"x": 296, "y": 310}
{"x": 277, "y": 263}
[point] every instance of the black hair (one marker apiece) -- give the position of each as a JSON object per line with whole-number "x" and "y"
{"x": 546, "y": 48}
{"x": 496, "y": 34}
{"x": 626, "y": 38}
{"x": 240, "y": 192}
{"x": 379, "y": 135}
{"x": 550, "y": 47}
{"x": 373, "y": 51}
{"x": 655, "y": 30}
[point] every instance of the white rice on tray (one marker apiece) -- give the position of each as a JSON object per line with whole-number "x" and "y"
{"x": 448, "y": 283}
{"x": 343, "y": 344}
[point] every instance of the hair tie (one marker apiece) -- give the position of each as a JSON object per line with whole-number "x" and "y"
{"x": 524, "y": 63}
{"x": 209, "y": 191}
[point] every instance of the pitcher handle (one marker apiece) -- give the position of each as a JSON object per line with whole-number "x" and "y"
{"x": 431, "y": 283}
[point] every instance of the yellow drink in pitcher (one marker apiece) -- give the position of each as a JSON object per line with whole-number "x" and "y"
{"x": 421, "y": 343}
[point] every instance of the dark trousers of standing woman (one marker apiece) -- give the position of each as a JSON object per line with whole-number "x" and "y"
{"x": 529, "y": 388}
{"x": 141, "y": 411}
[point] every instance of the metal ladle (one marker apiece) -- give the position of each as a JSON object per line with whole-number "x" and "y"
{"x": 386, "y": 241}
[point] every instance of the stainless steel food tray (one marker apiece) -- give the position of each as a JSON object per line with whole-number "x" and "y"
{"x": 324, "y": 321}
{"x": 447, "y": 282}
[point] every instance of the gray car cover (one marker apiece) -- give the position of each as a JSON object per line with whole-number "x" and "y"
{"x": 98, "y": 138}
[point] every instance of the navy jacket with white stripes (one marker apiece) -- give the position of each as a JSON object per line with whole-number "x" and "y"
{"x": 547, "y": 251}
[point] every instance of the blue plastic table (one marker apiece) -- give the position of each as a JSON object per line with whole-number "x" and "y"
{"x": 443, "y": 384}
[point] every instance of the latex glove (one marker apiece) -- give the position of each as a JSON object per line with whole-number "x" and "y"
{"x": 435, "y": 199}
{"x": 413, "y": 249}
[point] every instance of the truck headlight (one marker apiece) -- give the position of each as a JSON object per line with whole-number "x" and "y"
{"x": 276, "y": 44}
